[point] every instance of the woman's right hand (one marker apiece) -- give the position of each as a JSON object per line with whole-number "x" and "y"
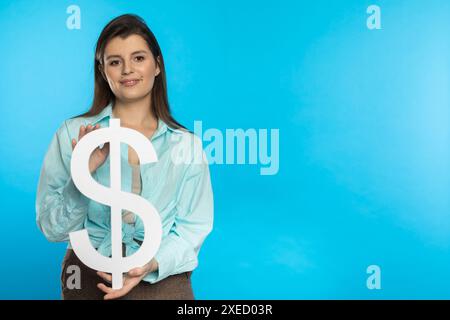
{"x": 98, "y": 157}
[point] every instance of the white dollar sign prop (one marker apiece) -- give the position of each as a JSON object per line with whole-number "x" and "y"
{"x": 116, "y": 199}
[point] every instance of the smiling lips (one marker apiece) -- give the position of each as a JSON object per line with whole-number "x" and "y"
{"x": 129, "y": 82}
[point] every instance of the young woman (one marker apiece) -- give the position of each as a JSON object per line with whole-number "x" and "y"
{"x": 130, "y": 84}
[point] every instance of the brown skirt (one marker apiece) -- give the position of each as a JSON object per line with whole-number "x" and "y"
{"x": 174, "y": 287}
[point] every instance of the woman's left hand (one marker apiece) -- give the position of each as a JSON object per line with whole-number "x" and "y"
{"x": 130, "y": 280}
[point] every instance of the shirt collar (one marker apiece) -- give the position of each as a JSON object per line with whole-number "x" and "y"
{"x": 107, "y": 112}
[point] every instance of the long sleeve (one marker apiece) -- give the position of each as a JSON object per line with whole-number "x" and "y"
{"x": 179, "y": 250}
{"x": 60, "y": 207}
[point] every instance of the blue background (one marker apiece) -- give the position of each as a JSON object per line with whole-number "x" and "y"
{"x": 364, "y": 139}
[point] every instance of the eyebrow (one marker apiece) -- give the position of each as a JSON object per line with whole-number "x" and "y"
{"x": 118, "y": 56}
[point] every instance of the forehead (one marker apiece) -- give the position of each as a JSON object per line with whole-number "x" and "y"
{"x": 118, "y": 45}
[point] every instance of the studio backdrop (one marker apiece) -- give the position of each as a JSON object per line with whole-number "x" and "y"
{"x": 326, "y": 125}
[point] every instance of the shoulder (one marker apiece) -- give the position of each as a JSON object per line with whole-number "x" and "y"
{"x": 68, "y": 130}
{"x": 61, "y": 142}
{"x": 72, "y": 125}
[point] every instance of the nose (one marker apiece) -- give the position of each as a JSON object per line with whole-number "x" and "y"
{"x": 126, "y": 68}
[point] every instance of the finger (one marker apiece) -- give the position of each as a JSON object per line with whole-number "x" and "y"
{"x": 91, "y": 128}
{"x": 105, "y": 276}
{"x": 82, "y": 132}
{"x": 128, "y": 285}
{"x": 116, "y": 294}
{"x": 74, "y": 143}
{"x": 104, "y": 288}
{"x": 136, "y": 272}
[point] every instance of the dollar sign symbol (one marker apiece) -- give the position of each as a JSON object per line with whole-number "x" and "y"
{"x": 116, "y": 199}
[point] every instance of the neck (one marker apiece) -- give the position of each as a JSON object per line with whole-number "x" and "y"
{"x": 136, "y": 114}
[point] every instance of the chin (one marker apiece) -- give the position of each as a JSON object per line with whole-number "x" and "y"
{"x": 132, "y": 97}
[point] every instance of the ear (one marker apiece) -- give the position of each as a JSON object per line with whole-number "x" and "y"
{"x": 158, "y": 69}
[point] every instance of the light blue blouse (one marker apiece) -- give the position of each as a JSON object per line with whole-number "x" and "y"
{"x": 178, "y": 185}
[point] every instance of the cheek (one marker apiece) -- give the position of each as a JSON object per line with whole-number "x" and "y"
{"x": 149, "y": 81}
{"x": 147, "y": 70}
{"x": 113, "y": 77}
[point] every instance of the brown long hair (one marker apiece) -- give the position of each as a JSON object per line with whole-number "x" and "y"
{"x": 124, "y": 26}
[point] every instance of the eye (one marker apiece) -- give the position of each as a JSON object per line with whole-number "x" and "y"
{"x": 140, "y": 58}
{"x": 114, "y": 62}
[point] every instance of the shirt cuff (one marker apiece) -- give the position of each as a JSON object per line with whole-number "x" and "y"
{"x": 171, "y": 260}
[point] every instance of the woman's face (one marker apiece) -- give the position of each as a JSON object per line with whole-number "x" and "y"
{"x": 129, "y": 67}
